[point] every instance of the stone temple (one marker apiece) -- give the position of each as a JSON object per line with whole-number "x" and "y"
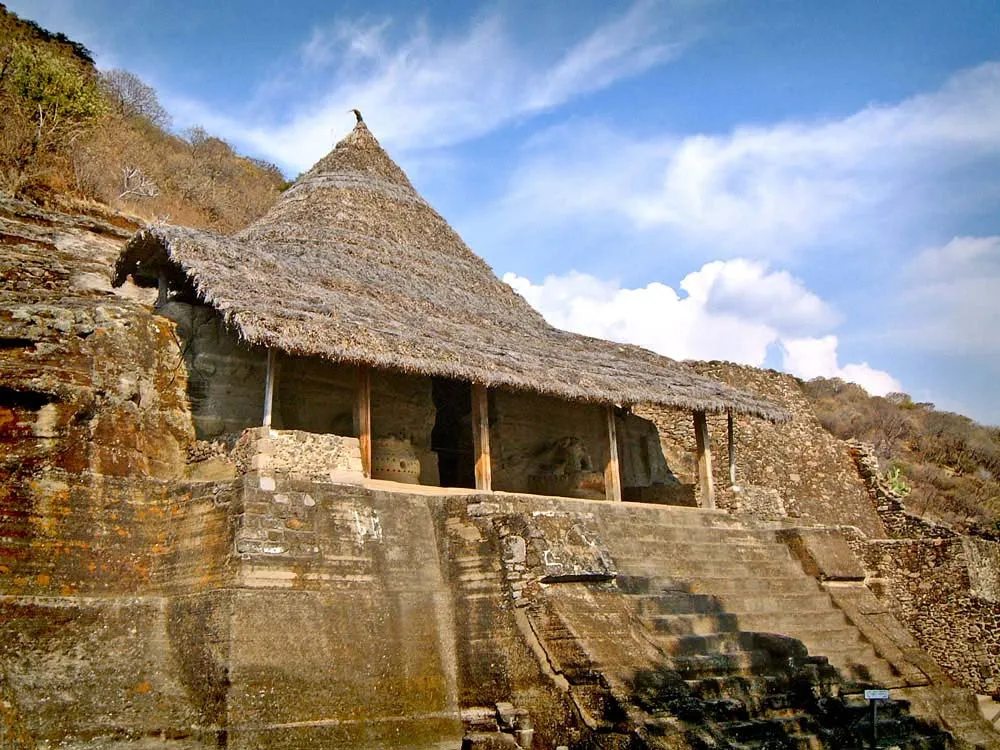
{"x": 329, "y": 483}
{"x": 351, "y": 310}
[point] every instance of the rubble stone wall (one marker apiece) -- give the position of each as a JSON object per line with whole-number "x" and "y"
{"x": 816, "y": 479}
{"x": 927, "y": 584}
{"x": 306, "y": 455}
{"x": 942, "y": 585}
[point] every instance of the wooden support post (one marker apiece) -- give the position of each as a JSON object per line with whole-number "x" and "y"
{"x": 732, "y": 448}
{"x": 162, "y": 290}
{"x": 481, "y": 437}
{"x": 363, "y": 418}
{"x": 704, "y": 460}
{"x": 612, "y": 474}
{"x": 269, "y": 388}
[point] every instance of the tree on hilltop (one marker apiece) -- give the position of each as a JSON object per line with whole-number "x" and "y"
{"x": 130, "y": 96}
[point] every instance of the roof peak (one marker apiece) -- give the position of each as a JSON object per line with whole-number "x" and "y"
{"x": 359, "y": 152}
{"x": 357, "y": 164}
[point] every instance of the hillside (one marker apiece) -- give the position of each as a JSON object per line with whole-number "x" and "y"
{"x": 70, "y": 132}
{"x": 947, "y": 466}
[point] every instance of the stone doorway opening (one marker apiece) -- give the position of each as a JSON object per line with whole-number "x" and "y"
{"x": 451, "y": 436}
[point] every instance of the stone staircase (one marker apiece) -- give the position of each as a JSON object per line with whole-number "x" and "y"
{"x": 683, "y": 628}
{"x": 709, "y": 578}
{"x": 758, "y": 689}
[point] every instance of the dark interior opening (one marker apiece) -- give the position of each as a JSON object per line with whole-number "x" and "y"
{"x": 451, "y": 437}
{"x": 15, "y": 343}
{"x": 27, "y": 400}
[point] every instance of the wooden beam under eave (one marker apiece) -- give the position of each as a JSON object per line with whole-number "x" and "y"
{"x": 162, "y": 290}
{"x": 707, "y": 499}
{"x": 481, "y": 437}
{"x": 269, "y": 388}
{"x": 732, "y": 447}
{"x": 612, "y": 472}
{"x": 363, "y": 418}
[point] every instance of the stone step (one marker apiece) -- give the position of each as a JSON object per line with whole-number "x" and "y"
{"x": 751, "y": 690}
{"x": 737, "y": 552}
{"x": 822, "y": 641}
{"x": 743, "y": 587}
{"x": 818, "y": 623}
{"x": 699, "y": 569}
{"x": 768, "y": 732}
{"x": 637, "y": 583}
{"x": 616, "y": 525}
{"x": 735, "y": 642}
{"x": 676, "y": 603}
{"x": 746, "y": 663}
{"x": 669, "y": 534}
{"x": 793, "y": 621}
{"x": 691, "y": 624}
{"x": 807, "y": 599}
{"x": 859, "y": 666}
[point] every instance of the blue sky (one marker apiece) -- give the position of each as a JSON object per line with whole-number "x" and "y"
{"x": 798, "y": 184}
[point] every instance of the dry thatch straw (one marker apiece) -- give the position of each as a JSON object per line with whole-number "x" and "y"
{"x": 353, "y": 265}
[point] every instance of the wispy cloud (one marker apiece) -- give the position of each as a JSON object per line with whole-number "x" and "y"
{"x": 766, "y": 191}
{"x": 949, "y": 300}
{"x": 735, "y": 310}
{"x": 422, "y": 90}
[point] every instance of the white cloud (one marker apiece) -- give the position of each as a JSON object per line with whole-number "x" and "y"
{"x": 951, "y": 297}
{"x": 423, "y": 91}
{"x": 762, "y": 191}
{"x": 653, "y": 316}
{"x": 732, "y": 310}
{"x": 813, "y": 357}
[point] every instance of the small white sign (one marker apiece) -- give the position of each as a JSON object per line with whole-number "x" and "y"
{"x": 876, "y": 695}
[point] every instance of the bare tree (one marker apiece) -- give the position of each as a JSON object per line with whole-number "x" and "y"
{"x": 136, "y": 184}
{"x": 131, "y": 97}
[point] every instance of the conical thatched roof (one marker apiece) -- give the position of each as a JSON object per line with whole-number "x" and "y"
{"x": 353, "y": 265}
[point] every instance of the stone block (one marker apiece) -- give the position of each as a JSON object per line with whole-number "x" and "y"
{"x": 824, "y": 553}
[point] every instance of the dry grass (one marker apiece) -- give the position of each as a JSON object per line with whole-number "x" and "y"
{"x": 950, "y": 463}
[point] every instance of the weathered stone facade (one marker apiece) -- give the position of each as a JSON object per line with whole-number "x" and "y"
{"x": 809, "y": 468}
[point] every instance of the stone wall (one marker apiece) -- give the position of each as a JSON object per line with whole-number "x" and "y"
{"x": 303, "y": 455}
{"x": 403, "y": 407}
{"x": 225, "y": 377}
{"x": 547, "y": 446}
{"x": 897, "y": 522}
{"x": 942, "y": 585}
{"x": 983, "y": 557}
{"x": 927, "y": 584}
{"x": 314, "y": 395}
{"x": 809, "y": 468}
{"x": 527, "y": 431}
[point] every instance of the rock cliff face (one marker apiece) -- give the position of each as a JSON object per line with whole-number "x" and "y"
{"x": 147, "y": 603}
